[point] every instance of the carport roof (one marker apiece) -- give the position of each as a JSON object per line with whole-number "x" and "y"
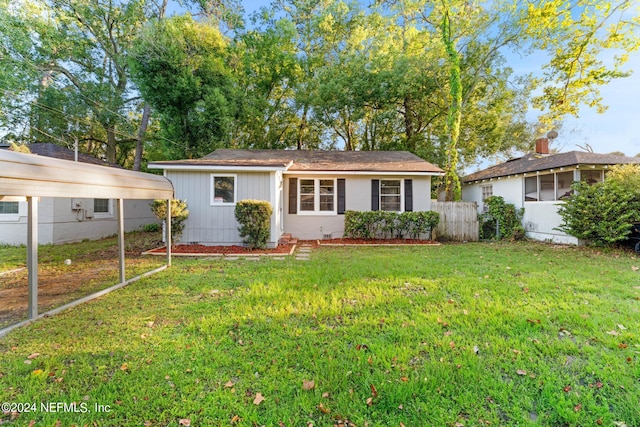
{"x": 31, "y": 175}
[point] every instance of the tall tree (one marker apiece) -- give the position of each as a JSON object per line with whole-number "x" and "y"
{"x": 180, "y": 67}
{"x": 76, "y": 54}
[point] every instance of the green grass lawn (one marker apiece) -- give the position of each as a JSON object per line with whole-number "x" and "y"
{"x": 455, "y": 335}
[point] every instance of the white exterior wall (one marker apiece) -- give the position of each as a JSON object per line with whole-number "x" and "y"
{"x": 540, "y": 218}
{"x": 58, "y": 223}
{"x": 357, "y": 198}
{"x": 216, "y": 225}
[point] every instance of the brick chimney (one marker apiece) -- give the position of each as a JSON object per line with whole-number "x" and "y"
{"x": 542, "y": 146}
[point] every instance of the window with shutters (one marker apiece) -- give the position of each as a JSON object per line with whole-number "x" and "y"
{"x": 394, "y": 195}
{"x": 391, "y": 195}
{"x": 316, "y": 196}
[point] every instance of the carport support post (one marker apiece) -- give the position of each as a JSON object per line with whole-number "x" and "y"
{"x": 32, "y": 256}
{"x": 121, "y": 239}
{"x": 168, "y": 232}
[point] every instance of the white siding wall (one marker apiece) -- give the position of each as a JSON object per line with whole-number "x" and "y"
{"x": 357, "y": 198}
{"x": 216, "y": 225}
{"x": 58, "y": 223}
{"x": 540, "y": 218}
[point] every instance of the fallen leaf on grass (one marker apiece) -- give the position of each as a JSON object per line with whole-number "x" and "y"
{"x": 308, "y": 385}
{"x": 32, "y": 423}
{"x": 369, "y": 401}
{"x": 259, "y": 399}
{"x": 623, "y": 345}
{"x": 622, "y": 328}
{"x": 614, "y": 333}
{"x": 186, "y": 422}
{"x": 567, "y": 389}
{"x": 521, "y": 372}
{"x": 229, "y": 384}
{"x": 634, "y": 268}
{"x": 374, "y": 391}
{"x": 124, "y": 367}
{"x": 578, "y": 407}
{"x": 33, "y": 355}
{"x": 404, "y": 379}
{"x": 235, "y": 419}
{"x": 325, "y": 394}
{"x": 323, "y": 409}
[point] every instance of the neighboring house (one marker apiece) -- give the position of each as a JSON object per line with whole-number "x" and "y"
{"x": 68, "y": 220}
{"x": 538, "y": 183}
{"x": 309, "y": 191}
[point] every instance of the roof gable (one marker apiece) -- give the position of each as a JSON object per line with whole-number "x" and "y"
{"x": 310, "y": 160}
{"x": 536, "y": 163}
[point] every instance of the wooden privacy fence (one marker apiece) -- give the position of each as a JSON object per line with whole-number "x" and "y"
{"x": 458, "y": 221}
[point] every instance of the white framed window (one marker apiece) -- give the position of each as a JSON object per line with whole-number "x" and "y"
{"x": 223, "y": 189}
{"x": 9, "y": 208}
{"x": 102, "y": 208}
{"x": 391, "y": 195}
{"x": 487, "y": 191}
{"x": 12, "y": 211}
{"x": 317, "y": 196}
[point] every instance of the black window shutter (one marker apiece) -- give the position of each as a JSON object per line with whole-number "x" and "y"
{"x": 293, "y": 195}
{"x": 375, "y": 194}
{"x": 341, "y": 196}
{"x": 408, "y": 195}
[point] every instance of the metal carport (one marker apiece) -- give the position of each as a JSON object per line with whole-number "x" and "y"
{"x": 30, "y": 176}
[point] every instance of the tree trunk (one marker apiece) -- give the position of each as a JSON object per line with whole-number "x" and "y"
{"x": 111, "y": 145}
{"x": 144, "y": 122}
{"x": 454, "y": 117}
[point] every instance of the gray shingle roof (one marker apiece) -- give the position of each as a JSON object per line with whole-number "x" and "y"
{"x": 537, "y": 162}
{"x": 313, "y": 160}
{"x": 49, "y": 149}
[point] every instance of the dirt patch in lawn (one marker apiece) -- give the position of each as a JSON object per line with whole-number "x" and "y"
{"x": 91, "y": 270}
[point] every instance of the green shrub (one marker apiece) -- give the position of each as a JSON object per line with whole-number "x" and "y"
{"x": 601, "y": 213}
{"x": 254, "y": 217}
{"x": 151, "y": 228}
{"x": 501, "y": 220}
{"x": 179, "y": 214}
{"x": 389, "y": 225}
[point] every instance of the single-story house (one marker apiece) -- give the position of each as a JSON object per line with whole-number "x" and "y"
{"x": 72, "y": 219}
{"x": 309, "y": 190}
{"x": 538, "y": 182}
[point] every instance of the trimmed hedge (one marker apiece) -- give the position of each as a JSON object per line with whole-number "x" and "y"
{"x": 254, "y": 217}
{"x": 389, "y": 225}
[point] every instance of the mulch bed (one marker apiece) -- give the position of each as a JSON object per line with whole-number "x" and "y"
{"x": 222, "y": 250}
